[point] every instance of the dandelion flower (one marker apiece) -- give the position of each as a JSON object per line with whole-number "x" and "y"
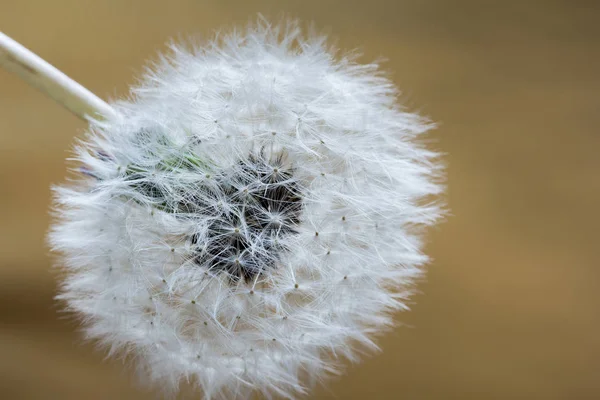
{"x": 250, "y": 217}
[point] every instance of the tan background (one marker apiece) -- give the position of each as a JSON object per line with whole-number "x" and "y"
{"x": 511, "y": 306}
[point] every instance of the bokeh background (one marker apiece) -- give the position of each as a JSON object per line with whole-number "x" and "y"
{"x": 511, "y": 306}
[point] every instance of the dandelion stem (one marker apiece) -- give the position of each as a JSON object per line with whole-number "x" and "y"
{"x": 43, "y": 76}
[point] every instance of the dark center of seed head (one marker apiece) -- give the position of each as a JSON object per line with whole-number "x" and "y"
{"x": 250, "y": 209}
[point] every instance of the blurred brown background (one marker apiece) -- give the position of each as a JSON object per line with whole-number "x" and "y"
{"x": 510, "y": 309}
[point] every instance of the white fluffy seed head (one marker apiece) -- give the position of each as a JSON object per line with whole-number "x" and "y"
{"x": 250, "y": 217}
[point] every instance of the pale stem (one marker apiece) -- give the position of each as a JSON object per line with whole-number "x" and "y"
{"x": 43, "y": 76}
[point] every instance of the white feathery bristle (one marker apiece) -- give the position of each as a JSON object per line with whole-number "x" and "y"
{"x": 250, "y": 218}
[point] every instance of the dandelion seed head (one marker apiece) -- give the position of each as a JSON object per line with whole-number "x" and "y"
{"x": 250, "y": 217}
